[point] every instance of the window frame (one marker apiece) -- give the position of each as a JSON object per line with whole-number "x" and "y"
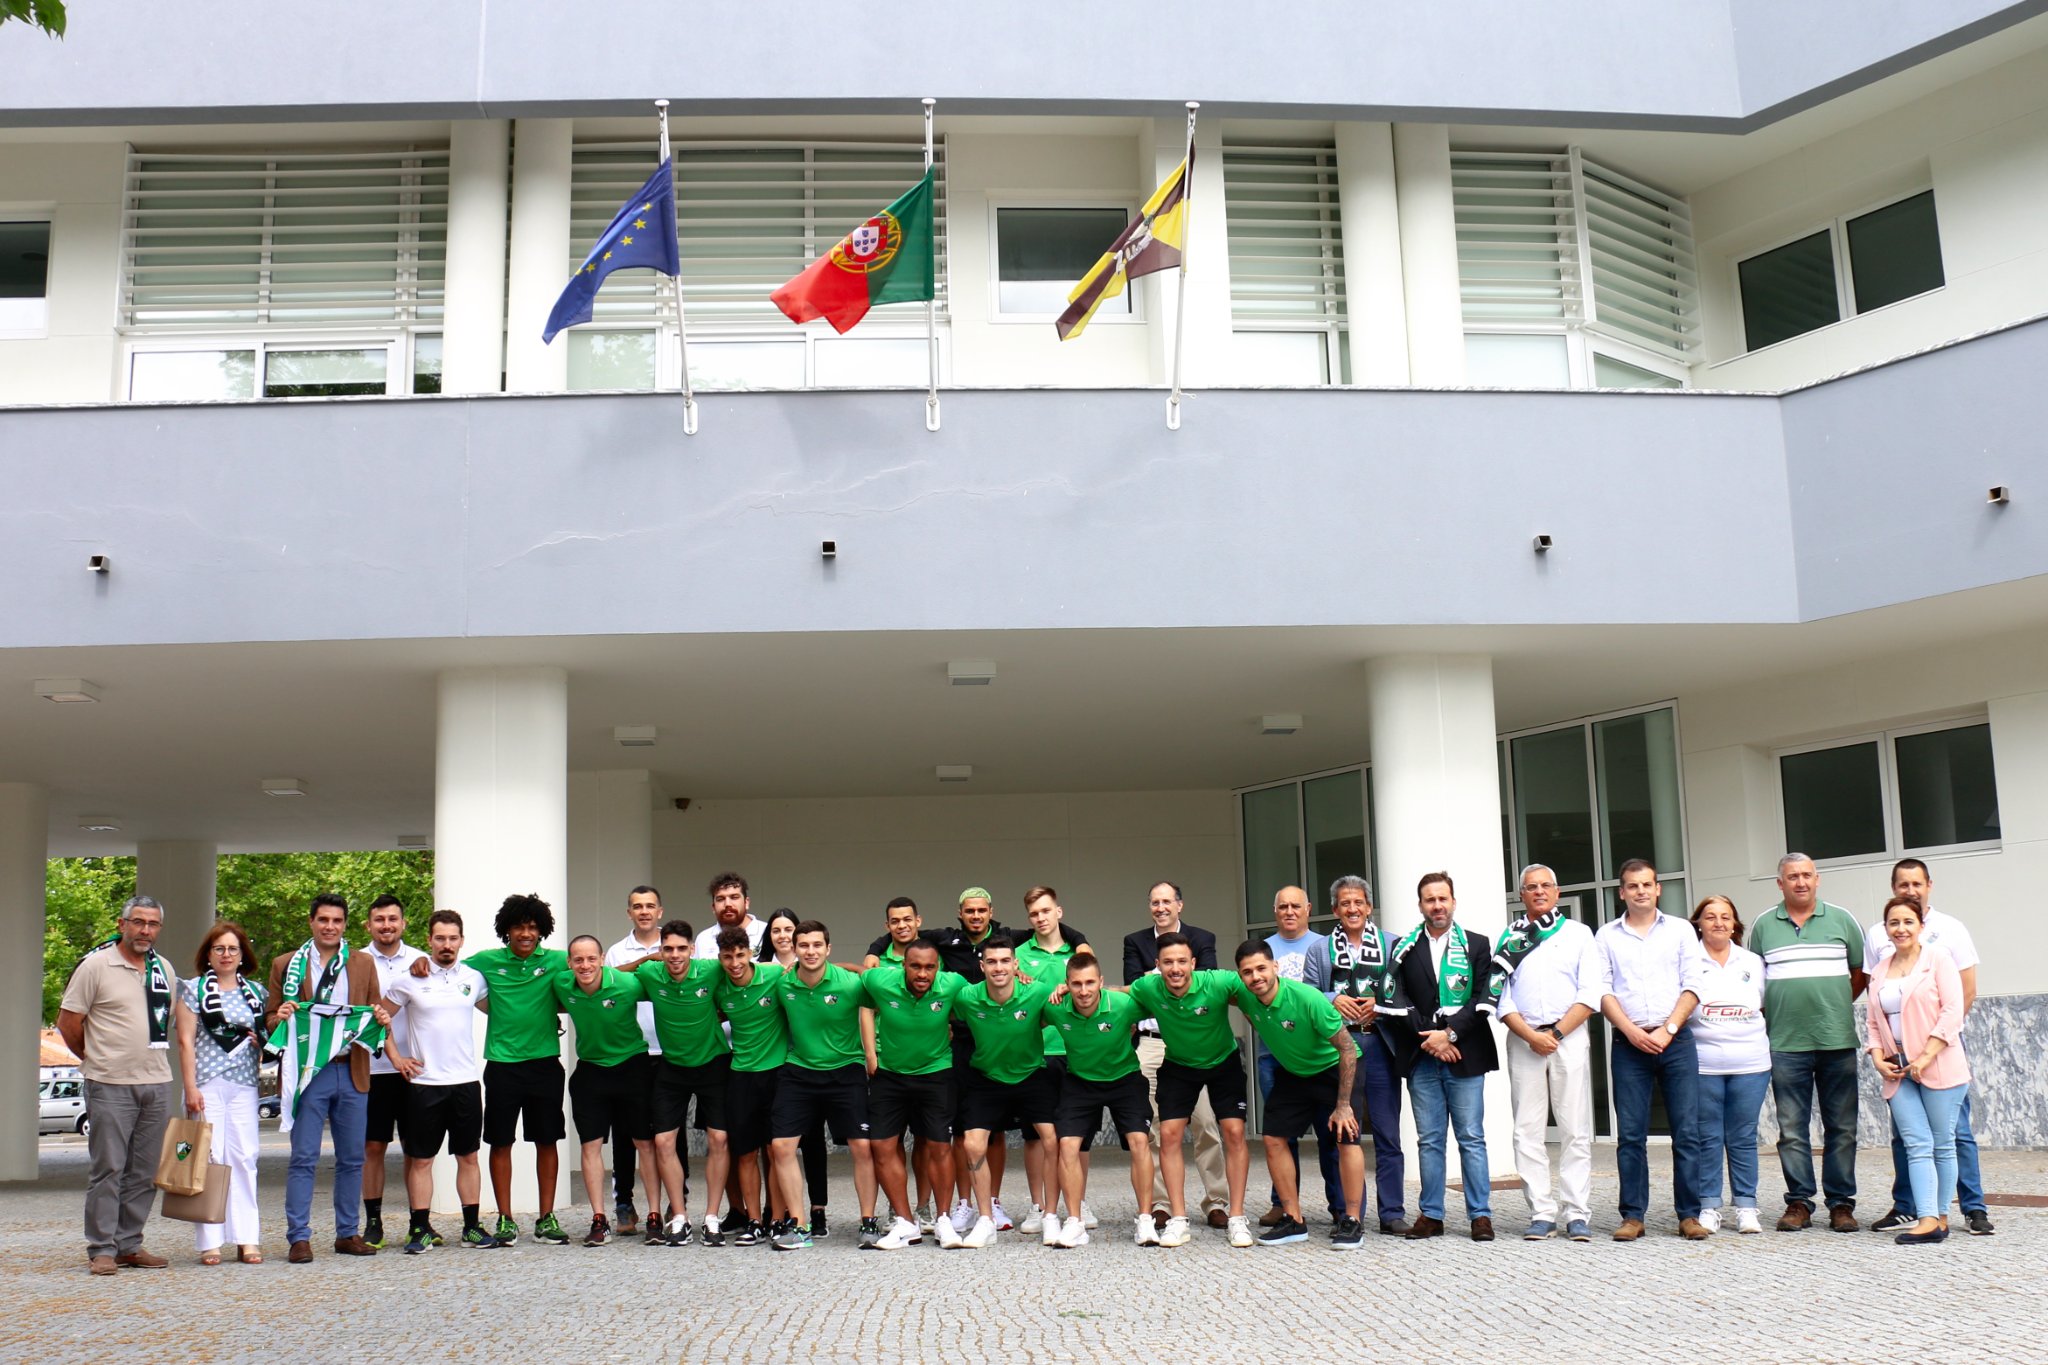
{"x": 1888, "y": 783}
{"x": 1581, "y": 345}
{"x": 1003, "y": 199}
{"x": 34, "y": 211}
{"x": 668, "y": 367}
{"x": 400, "y": 347}
{"x": 1837, "y": 229}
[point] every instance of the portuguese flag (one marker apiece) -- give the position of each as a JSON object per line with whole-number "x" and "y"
{"x": 888, "y": 259}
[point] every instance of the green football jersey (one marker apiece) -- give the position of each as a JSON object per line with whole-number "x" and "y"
{"x": 913, "y": 1033}
{"x": 760, "y": 1034}
{"x": 1009, "y": 1037}
{"x": 1101, "y": 1046}
{"x": 523, "y": 1024}
{"x": 1297, "y": 1027}
{"x": 824, "y": 1020}
{"x": 1047, "y": 968}
{"x": 607, "y": 1019}
{"x": 685, "y": 1015}
{"x": 1195, "y": 1027}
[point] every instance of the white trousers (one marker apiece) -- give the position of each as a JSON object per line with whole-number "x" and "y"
{"x": 1560, "y": 1084}
{"x": 231, "y": 1109}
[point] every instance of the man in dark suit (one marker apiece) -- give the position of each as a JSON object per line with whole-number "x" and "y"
{"x": 1141, "y": 955}
{"x": 1445, "y": 1049}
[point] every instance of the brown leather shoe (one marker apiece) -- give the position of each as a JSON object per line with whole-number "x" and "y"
{"x": 300, "y": 1253}
{"x": 1797, "y": 1217}
{"x": 1218, "y": 1218}
{"x": 100, "y": 1265}
{"x": 1424, "y": 1226}
{"x": 139, "y": 1259}
{"x": 353, "y": 1246}
{"x": 1693, "y": 1230}
{"x": 1842, "y": 1218}
{"x": 1482, "y": 1229}
{"x": 1271, "y": 1217}
{"x": 1630, "y": 1229}
{"x": 1394, "y": 1227}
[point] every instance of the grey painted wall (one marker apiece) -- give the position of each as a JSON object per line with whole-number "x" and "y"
{"x": 1709, "y": 63}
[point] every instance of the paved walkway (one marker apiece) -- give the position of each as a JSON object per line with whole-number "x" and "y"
{"x": 1809, "y": 1297}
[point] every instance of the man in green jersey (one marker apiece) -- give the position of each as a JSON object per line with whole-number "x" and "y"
{"x": 1311, "y": 1089}
{"x": 608, "y": 1090}
{"x": 1006, "y": 1083}
{"x": 1043, "y": 957}
{"x": 746, "y": 996}
{"x": 1192, "y": 1009}
{"x": 1100, "y": 1032}
{"x": 522, "y": 1058}
{"x": 910, "y": 1081}
{"x": 695, "y": 1062}
{"x": 825, "y": 1078}
{"x": 904, "y": 926}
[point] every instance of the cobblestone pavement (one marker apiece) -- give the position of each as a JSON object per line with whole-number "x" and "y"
{"x": 1809, "y": 1297}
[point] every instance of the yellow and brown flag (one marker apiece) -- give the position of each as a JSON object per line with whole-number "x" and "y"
{"x": 1151, "y": 243}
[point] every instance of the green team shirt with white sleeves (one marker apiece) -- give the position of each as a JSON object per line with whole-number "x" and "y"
{"x": 824, "y": 1020}
{"x": 1009, "y": 1038}
{"x": 685, "y": 1015}
{"x": 1195, "y": 1027}
{"x": 1297, "y": 1027}
{"x": 913, "y": 1033}
{"x": 1102, "y": 1046}
{"x": 760, "y": 1034}
{"x": 522, "y": 1024}
{"x": 607, "y": 1019}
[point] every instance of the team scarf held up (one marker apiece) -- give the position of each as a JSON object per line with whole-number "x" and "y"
{"x": 1361, "y": 968}
{"x": 156, "y": 989}
{"x": 318, "y": 1033}
{"x": 1453, "y": 984}
{"x": 1523, "y": 937}
{"x": 215, "y": 1019}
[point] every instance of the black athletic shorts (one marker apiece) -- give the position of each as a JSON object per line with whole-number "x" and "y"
{"x": 385, "y": 1112}
{"x": 807, "y": 1098}
{"x": 1056, "y": 1067}
{"x": 750, "y": 1109}
{"x": 1181, "y": 1086}
{"x": 1300, "y": 1103}
{"x": 923, "y": 1104}
{"x": 531, "y": 1090}
{"x": 674, "y": 1085}
{"x": 998, "y": 1107}
{"x": 1082, "y": 1103}
{"x": 435, "y": 1112}
{"x": 608, "y": 1099}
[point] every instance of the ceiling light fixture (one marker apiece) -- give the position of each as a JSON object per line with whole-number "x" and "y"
{"x": 283, "y": 786}
{"x": 1279, "y": 724}
{"x": 412, "y": 841}
{"x": 955, "y": 772}
{"x": 633, "y": 736}
{"x": 97, "y": 824}
{"x": 66, "y": 689}
{"x": 970, "y": 672}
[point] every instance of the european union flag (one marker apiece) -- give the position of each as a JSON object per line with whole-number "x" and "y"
{"x": 642, "y": 232}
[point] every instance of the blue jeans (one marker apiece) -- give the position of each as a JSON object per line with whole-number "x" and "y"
{"x": 1326, "y": 1152}
{"x": 1439, "y": 1097}
{"x": 332, "y": 1100}
{"x": 1969, "y": 1180}
{"x": 1675, "y": 1071}
{"x": 1796, "y": 1077}
{"x": 1729, "y": 1106}
{"x": 1376, "y": 1099}
{"x": 1926, "y": 1120}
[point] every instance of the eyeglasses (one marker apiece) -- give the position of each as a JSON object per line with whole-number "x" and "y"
{"x": 226, "y": 948}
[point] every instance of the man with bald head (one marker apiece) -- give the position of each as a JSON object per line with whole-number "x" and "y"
{"x": 1299, "y": 954}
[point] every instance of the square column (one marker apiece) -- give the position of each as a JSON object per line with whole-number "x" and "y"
{"x": 24, "y": 851}
{"x": 182, "y": 873}
{"x": 473, "y": 330}
{"x": 1374, "y": 298}
{"x": 538, "y": 262}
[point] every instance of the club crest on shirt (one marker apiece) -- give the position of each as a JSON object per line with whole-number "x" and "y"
{"x": 1021, "y": 1015}
{"x": 540, "y": 971}
{"x": 465, "y": 990}
{"x": 702, "y": 992}
{"x": 1287, "y": 1025}
{"x": 765, "y": 1001}
{"x": 831, "y": 999}
{"x": 1104, "y": 1027}
{"x": 609, "y": 1002}
{"x": 1201, "y": 1009}
{"x": 938, "y": 1006}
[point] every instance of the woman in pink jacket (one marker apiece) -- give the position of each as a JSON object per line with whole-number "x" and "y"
{"x": 1916, "y": 1010}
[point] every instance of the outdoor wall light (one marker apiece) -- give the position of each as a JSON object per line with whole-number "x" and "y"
{"x": 412, "y": 841}
{"x": 98, "y": 824}
{"x": 955, "y": 772}
{"x": 970, "y": 672}
{"x": 1542, "y": 544}
{"x": 1279, "y": 725}
{"x": 98, "y": 563}
{"x": 283, "y": 786}
{"x": 633, "y": 736}
{"x": 828, "y": 549}
{"x": 66, "y": 689}
{"x": 1998, "y": 495}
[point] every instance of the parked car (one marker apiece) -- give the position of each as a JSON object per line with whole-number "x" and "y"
{"x": 62, "y": 1107}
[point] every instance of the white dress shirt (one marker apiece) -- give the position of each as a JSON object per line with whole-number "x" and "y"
{"x": 1561, "y": 971}
{"x": 1647, "y": 973}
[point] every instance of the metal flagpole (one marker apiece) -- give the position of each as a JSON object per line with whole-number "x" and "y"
{"x": 1187, "y": 233}
{"x": 931, "y": 307}
{"x": 676, "y": 283}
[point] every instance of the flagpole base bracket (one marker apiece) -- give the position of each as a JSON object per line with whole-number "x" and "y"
{"x": 689, "y": 415}
{"x": 931, "y": 413}
{"x": 1173, "y": 413}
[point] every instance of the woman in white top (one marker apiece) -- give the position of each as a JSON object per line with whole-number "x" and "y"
{"x": 1735, "y": 1061}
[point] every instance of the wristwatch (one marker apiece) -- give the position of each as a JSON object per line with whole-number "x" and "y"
{"x": 1551, "y": 1029}
{"x": 1450, "y": 1035}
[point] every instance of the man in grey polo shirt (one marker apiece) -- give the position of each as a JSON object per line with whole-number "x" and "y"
{"x": 116, "y": 1015}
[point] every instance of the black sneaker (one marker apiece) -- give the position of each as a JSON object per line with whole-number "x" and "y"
{"x": 678, "y": 1233}
{"x": 656, "y": 1235}
{"x": 713, "y": 1235}
{"x": 1347, "y": 1235}
{"x": 435, "y": 1239}
{"x": 417, "y": 1243}
{"x": 1979, "y": 1222}
{"x": 373, "y": 1231}
{"x": 749, "y": 1234}
{"x": 478, "y": 1239}
{"x": 1894, "y": 1221}
{"x": 818, "y": 1228}
{"x": 600, "y": 1231}
{"x": 870, "y": 1232}
{"x": 1286, "y": 1231}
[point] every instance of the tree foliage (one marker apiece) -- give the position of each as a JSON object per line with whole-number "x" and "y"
{"x": 266, "y": 893}
{"x": 47, "y": 15}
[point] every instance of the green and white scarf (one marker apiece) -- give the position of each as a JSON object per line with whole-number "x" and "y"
{"x": 1453, "y": 983}
{"x": 302, "y": 962}
{"x": 1523, "y": 937}
{"x": 312, "y": 1037}
{"x": 214, "y": 1017}
{"x": 156, "y": 989}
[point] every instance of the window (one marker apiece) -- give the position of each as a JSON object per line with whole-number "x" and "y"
{"x": 1855, "y": 264}
{"x": 1889, "y": 795}
{"x": 1286, "y": 263}
{"x": 1041, "y": 253}
{"x": 24, "y": 278}
{"x": 297, "y": 367}
{"x": 1304, "y": 832}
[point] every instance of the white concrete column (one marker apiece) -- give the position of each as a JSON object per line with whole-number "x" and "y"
{"x": 538, "y": 263}
{"x": 1374, "y": 297}
{"x": 473, "y": 332}
{"x": 181, "y": 873}
{"x": 501, "y": 784}
{"x": 1436, "y": 808}
{"x": 24, "y": 853}
{"x": 611, "y": 847}
{"x": 1206, "y": 341}
{"x": 1429, "y": 254}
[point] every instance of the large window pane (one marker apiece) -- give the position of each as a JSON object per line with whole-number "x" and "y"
{"x": 1280, "y": 358}
{"x": 874, "y": 362}
{"x": 1041, "y": 254}
{"x": 1789, "y": 290}
{"x": 176, "y": 376}
{"x": 747, "y": 364}
{"x": 1333, "y": 810}
{"x": 24, "y": 277}
{"x": 612, "y": 360}
{"x": 1637, "y": 760}
{"x": 1508, "y": 361}
{"x": 1834, "y": 801}
{"x": 1272, "y": 847}
{"x": 1553, "y": 809}
{"x": 1895, "y": 252}
{"x": 1947, "y": 791}
{"x": 325, "y": 374}
{"x": 1609, "y": 373}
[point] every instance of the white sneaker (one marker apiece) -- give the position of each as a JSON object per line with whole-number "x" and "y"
{"x": 1050, "y": 1232}
{"x": 1241, "y": 1232}
{"x": 901, "y": 1233}
{"x": 949, "y": 1236}
{"x": 1088, "y": 1218}
{"x": 1174, "y": 1234}
{"x": 1748, "y": 1220}
{"x": 962, "y": 1217}
{"x": 1074, "y": 1233}
{"x": 982, "y": 1234}
{"x": 1710, "y": 1219}
{"x": 1148, "y": 1232}
{"x": 1003, "y": 1223}
{"x": 1033, "y": 1221}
